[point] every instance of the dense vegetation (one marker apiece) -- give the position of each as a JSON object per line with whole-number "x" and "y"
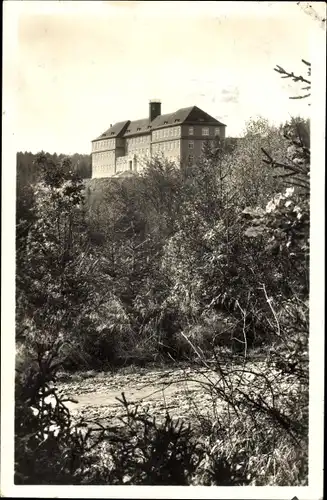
{"x": 207, "y": 264}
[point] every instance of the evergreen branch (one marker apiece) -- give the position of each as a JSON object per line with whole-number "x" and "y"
{"x": 287, "y": 74}
{"x": 301, "y": 96}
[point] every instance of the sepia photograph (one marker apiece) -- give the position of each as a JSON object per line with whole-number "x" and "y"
{"x": 163, "y": 249}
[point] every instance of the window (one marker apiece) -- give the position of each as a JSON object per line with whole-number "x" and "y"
{"x": 191, "y": 145}
{"x": 205, "y": 131}
{"x": 138, "y": 128}
{"x": 191, "y": 131}
{"x": 191, "y": 158}
{"x": 217, "y": 131}
{"x": 165, "y": 123}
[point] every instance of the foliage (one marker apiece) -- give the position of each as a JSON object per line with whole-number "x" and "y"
{"x": 207, "y": 262}
{"x": 52, "y": 449}
{"x": 251, "y": 183}
{"x": 49, "y": 449}
{"x": 28, "y": 170}
{"x": 295, "y": 169}
{"x": 56, "y": 281}
{"x": 144, "y": 451}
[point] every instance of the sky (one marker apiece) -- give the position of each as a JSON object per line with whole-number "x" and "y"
{"x": 77, "y": 67}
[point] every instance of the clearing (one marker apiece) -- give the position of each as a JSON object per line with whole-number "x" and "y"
{"x": 181, "y": 391}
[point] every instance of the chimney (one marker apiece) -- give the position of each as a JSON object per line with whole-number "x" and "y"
{"x": 154, "y": 109}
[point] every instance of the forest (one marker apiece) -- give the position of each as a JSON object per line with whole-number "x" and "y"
{"x": 206, "y": 266}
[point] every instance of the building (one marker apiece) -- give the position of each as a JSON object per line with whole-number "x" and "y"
{"x": 128, "y": 145}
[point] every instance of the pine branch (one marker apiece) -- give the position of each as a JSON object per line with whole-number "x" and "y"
{"x": 300, "y": 96}
{"x": 295, "y": 78}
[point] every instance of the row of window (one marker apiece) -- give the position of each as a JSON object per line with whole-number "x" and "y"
{"x": 166, "y": 132}
{"x": 191, "y": 143}
{"x": 105, "y": 154}
{"x": 138, "y": 140}
{"x": 157, "y": 134}
{"x": 139, "y": 151}
{"x": 104, "y": 168}
{"x": 107, "y": 144}
{"x": 160, "y": 147}
{"x": 165, "y": 146}
{"x": 205, "y": 131}
{"x": 101, "y": 157}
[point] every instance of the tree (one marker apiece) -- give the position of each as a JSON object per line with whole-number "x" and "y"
{"x": 56, "y": 273}
{"x": 252, "y": 184}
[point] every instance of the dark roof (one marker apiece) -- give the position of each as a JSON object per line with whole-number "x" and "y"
{"x": 114, "y": 131}
{"x": 172, "y": 118}
{"x": 138, "y": 127}
{"x": 192, "y": 114}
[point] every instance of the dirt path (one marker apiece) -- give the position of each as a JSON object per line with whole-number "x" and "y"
{"x": 181, "y": 391}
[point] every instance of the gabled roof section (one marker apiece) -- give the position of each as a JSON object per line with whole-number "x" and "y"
{"x": 199, "y": 116}
{"x": 171, "y": 118}
{"x": 116, "y": 130}
{"x": 192, "y": 114}
{"x": 136, "y": 127}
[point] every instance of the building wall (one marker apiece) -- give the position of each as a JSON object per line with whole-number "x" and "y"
{"x": 166, "y": 143}
{"x": 182, "y": 142}
{"x": 103, "y": 163}
{"x": 103, "y": 145}
{"x": 121, "y": 164}
{"x": 194, "y": 138}
{"x": 139, "y": 145}
{"x": 170, "y": 149}
{"x": 165, "y": 134}
{"x": 103, "y": 157}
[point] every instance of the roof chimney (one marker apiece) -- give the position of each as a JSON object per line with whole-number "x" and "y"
{"x": 154, "y": 109}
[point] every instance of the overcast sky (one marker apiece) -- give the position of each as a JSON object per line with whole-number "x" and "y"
{"x": 81, "y": 66}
